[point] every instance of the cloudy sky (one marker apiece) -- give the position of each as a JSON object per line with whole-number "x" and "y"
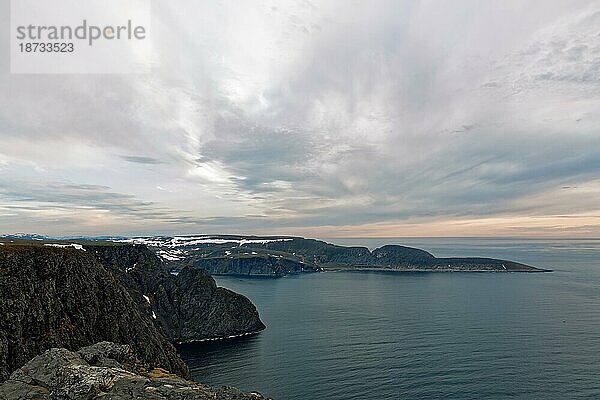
{"x": 319, "y": 118}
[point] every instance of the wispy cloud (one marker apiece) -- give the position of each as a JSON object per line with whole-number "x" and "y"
{"x": 141, "y": 160}
{"x": 397, "y": 117}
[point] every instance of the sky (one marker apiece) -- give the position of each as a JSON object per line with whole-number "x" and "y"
{"x": 338, "y": 118}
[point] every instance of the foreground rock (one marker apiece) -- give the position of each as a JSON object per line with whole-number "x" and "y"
{"x": 107, "y": 371}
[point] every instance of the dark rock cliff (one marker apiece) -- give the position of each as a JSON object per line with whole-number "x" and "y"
{"x": 105, "y": 371}
{"x": 136, "y": 267}
{"x": 187, "y": 307}
{"x": 192, "y": 307}
{"x": 62, "y": 297}
{"x": 267, "y": 266}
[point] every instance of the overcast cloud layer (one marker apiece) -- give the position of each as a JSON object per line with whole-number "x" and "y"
{"x": 320, "y": 118}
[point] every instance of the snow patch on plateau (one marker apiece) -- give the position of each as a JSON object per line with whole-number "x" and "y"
{"x": 184, "y": 241}
{"x": 74, "y": 245}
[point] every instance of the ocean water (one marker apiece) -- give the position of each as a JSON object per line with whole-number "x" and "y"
{"x": 348, "y": 335}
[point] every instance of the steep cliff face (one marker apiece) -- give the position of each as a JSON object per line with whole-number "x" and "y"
{"x": 105, "y": 371}
{"x": 187, "y": 307}
{"x": 265, "y": 265}
{"x": 63, "y": 297}
{"x": 73, "y": 297}
{"x": 136, "y": 267}
{"x": 192, "y": 307}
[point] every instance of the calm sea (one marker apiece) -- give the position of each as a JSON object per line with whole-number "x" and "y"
{"x": 344, "y": 335}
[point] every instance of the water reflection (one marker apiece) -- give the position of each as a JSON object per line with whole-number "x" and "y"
{"x": 214, "y": 358}
{"x": 343, "y": 336}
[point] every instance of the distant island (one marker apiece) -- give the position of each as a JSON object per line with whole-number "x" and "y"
{"x": 278, "y": 256}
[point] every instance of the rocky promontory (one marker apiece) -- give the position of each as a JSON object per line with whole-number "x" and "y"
{"x": 72, "y": 295}
{"x": 188, "y": 306}
{"x": 63, "y": 297}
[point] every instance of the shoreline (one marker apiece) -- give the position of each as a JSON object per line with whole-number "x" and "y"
{"x": 539, "y": 270}
{"x": 390, "y": 271}
{"x": 182, "y": 342}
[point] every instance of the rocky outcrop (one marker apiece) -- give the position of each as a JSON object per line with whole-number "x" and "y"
{"x": 105, "y": 371}
{"x": 138, "y": 269}
{"x": 262, "y": 266}
{"x": 188, "y": 306}
{"x": 193, "y": 308}
{"x": 63, "y": 297}
{"x": 91, "y": 292}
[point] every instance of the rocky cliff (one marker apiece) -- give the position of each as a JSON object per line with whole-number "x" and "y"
{"x": 105, "y": 371}
{"x": 61, "y": 295}
{"x": 188, "y": 306}
{"x": 193, "y": 308}
{"x": 264, "y": 265}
